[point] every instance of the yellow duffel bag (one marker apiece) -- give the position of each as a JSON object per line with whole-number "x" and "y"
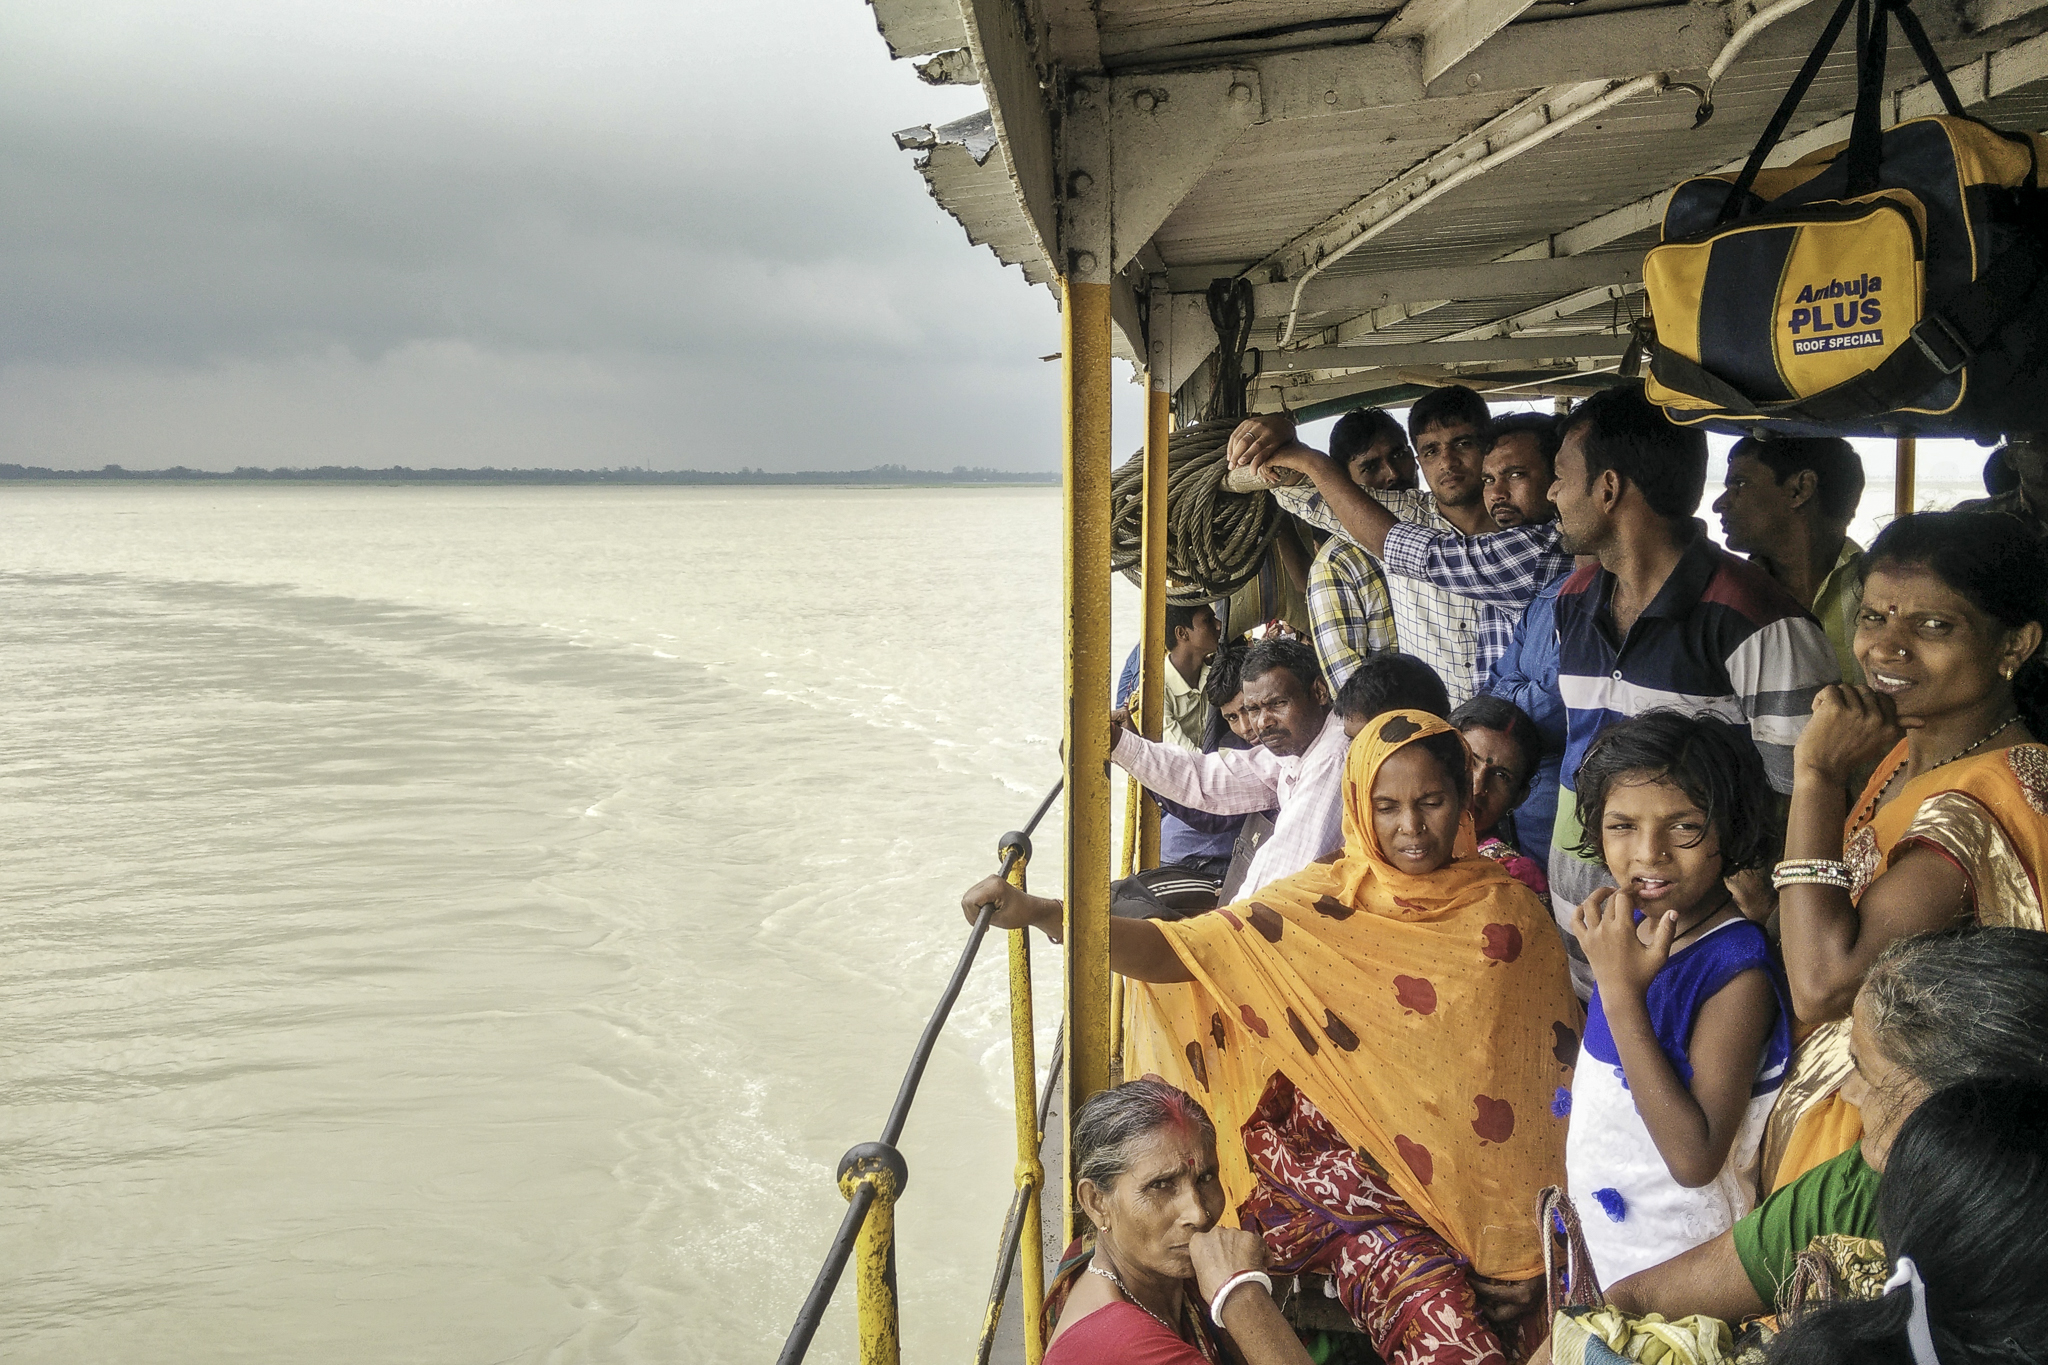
{"x": 1774, "y": 312}
{"x": 1894, "y": 282}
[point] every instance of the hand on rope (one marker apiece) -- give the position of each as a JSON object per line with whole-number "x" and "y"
{"x": 1216, "y": 540}
{"x": 1259, "y": 440}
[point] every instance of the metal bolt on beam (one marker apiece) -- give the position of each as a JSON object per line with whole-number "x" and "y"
{"x": 1080, "y": 182}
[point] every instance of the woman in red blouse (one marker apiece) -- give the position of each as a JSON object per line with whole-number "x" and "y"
{"x": 1157, "y": 1282}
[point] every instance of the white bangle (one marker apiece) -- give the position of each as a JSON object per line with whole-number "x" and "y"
{"x": 1223, "y": 1292}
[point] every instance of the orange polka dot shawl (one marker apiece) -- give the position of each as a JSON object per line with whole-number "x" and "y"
{"x": 1430, "y": 1019}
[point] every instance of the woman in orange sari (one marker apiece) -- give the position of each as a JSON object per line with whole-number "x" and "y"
{"x": 1953, "y": 824}
{"x": 1387, "y": 1030}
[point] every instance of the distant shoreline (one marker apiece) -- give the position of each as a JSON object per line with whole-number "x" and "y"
{"x": 880, "y": 476}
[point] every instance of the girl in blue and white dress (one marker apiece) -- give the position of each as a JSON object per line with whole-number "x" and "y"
{"x": 1689, "y": 1028}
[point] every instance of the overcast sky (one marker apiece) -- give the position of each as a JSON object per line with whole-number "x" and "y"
{"x": 513, "y": 233}
{"x": 459, "y": 233}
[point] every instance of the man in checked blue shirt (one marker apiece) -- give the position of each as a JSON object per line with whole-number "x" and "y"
{"x": 1498, "y": 560}
{"x": 1448, "y": 427}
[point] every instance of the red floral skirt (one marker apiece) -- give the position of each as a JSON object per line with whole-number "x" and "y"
{"x": 1323, "y": 1209}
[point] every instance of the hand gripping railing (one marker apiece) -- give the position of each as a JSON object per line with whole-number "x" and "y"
{"x": 872, "y": 1175}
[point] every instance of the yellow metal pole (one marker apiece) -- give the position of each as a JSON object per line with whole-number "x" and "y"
{"x": 874, "y": 1253}
{"x": 1024, "y": 1092}
{"x": 1134, "y": 803}
{"x": 1904, "y": 454}
{"x": 1152, "y": 560}
{"x": 1085, "y": 324}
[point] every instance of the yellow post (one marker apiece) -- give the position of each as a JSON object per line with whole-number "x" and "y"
{"x": 1085, "y": 326}
{"x": 1152, "y": 575}
{"x": 1903, "y": 455}
{"x": 1134, "y": 803}
{"x": 1024, "y": 1092}
{"x": 874, "y": 1253}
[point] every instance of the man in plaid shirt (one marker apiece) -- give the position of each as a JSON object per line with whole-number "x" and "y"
{"x": 1350, "y": 612}
{"x": 1440, "y": 625}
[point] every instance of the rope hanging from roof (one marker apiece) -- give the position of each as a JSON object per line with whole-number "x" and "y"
{"x": 1216, "y": 540}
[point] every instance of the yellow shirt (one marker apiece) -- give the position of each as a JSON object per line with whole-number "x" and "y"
{"x": 1186, "y": 708}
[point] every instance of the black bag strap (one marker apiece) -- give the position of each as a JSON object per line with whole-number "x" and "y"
{"x": 1677, "y": 373}
{"x": 1866, "y": 129}
{"x": 1924, "y": 50}
{"x": 1943, "y": 343}
{"x": 1787, "y": 107}
{"x": 1865, "y": 156}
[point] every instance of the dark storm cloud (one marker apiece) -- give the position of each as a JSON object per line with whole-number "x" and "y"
{"x": 463, "y": 233}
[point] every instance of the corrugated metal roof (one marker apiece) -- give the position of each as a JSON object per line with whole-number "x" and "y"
{"x": 1290, "y": 175}
{"x": 968, "y": 170}
{"x": 913, "y": 28}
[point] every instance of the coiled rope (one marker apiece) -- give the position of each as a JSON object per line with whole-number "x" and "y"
{"x": 1216, "y": 540}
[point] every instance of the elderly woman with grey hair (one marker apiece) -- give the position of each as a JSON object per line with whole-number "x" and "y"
{"x": 1960, "y": 1005}
{"x": 1156, "y": 1282}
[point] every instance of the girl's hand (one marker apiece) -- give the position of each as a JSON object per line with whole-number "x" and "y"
{"x": 1852, "y": 728}
{"x": 1622, "y": 962}
{"x": 1222, "y": 1252}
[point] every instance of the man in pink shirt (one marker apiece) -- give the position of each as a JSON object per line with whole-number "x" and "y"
{"x": 1296, "y": 762}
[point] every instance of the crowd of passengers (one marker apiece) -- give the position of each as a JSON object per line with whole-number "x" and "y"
{"x": 1560, "y": 846}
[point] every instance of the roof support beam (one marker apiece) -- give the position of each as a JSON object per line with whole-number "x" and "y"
{"x": 1165, "y": 133}
{"x": 1326, "y": 396}
{"x": 1379, "y": 319}
{"x": 1517, "y": 124}
{"x": 1380, "y": 289}
{"x": 1597, "y": 47}
{"x": 1547, "y": 314}
{"x": 1450, "y": 29}
{"x": 1085, "y": 197}
{"x": 1982, "y": 14}
{"x": 1324, "y": 358}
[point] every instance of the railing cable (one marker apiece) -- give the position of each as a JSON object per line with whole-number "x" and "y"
{"x": 876, "y": 1169}
{"x": 1013, "y": 1223}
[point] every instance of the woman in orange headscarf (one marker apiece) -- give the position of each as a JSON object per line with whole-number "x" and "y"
{"x": 1387, "y": 1029}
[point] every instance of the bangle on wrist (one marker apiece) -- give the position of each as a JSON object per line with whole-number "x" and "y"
{"x": 1811, "y": 872}
{"x": 1224, "y": 1291}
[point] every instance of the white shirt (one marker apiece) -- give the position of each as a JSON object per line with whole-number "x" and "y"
{"x": 1308, "y": 789}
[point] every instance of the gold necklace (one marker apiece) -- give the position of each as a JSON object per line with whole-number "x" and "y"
{"x": 1964, "y": 752}
{"x": 1201, "y": 1342}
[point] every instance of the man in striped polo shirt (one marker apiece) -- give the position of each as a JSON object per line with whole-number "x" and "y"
{"x": 1665, "y": 619}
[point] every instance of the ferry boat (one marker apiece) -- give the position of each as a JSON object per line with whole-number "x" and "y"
{"x": 1387, "y": 196}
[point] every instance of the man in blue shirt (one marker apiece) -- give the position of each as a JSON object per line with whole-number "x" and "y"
{"x": 1526, "y": 674}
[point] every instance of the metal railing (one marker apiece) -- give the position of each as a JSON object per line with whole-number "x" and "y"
{"x": 872, "y": 1176}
